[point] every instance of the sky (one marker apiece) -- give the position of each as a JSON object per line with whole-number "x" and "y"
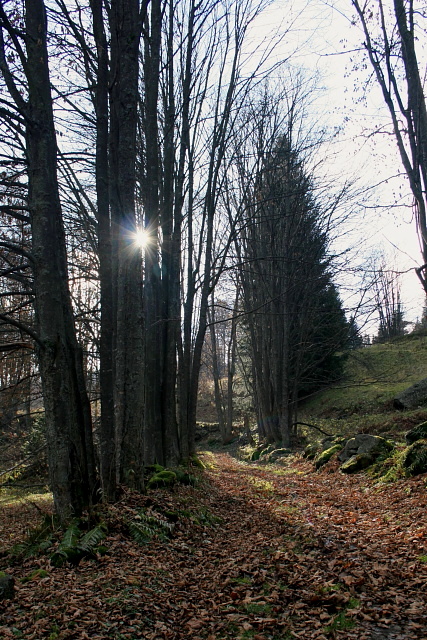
{"x": 322, "y": 40}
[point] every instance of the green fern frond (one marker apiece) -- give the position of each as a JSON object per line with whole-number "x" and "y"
{"x": 415, "y": 458}
{"x": 73, "y": 546}
{"x": 91, "y": 539}
{"x": 141, "y": 532}
{"x": 70, "y": 537}
{"x": 149, "y": 526}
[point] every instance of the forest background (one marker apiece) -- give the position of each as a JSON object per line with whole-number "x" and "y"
{"x": 167, "y": 171}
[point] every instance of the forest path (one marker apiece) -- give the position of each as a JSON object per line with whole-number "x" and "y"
{"x": 269, "y": 553}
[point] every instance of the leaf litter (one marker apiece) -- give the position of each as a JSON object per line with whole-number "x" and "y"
{"x": 253, "y": 554}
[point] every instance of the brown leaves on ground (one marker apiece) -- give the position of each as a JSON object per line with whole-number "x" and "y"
{"x": 263, "y": 553}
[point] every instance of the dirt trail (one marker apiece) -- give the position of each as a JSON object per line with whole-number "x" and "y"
{"x": 269, "y": 553}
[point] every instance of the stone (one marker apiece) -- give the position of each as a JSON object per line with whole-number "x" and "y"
{"x": 417, "y": 433}
{"x": 7, "y": 586}
{"x": 311, "y": 450}
{"x": 326, "y": 455}
{"x": 278, "y": 453}
{"x": 364, "y": 443}
{"x": 358, "y": 462}
{"x": 412, "y": 397}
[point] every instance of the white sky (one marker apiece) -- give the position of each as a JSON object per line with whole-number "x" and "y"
{"x": 326, "y": 43}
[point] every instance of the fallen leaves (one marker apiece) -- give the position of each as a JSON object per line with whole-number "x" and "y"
{"x": 311, "y": 557}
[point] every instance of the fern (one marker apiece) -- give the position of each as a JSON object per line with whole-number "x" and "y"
{"x": 148, "y": 527}
{"x": 70, "y": 537}
{"x": 415, "y": 459}
{"x": 74, "y": 546}
{"x": 89, "y": 542}
{"x": 38, "y": 541}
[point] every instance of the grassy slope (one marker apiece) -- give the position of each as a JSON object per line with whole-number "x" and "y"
{"x": 363, "y": 401}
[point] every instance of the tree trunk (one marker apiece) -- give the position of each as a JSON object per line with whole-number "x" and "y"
{"x": 68, "y": 418}
{"x": 125, "y": 27}
{"x": 106, "y": 380}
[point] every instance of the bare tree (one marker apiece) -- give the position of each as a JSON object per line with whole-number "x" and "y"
{"x": 391, "y": 38}
{"x": 68, "y": 416}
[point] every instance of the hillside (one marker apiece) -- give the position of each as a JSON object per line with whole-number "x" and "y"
{"x": 363, "y": 400}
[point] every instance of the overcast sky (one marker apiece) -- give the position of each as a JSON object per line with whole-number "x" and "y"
{"x": 322, "y": 39}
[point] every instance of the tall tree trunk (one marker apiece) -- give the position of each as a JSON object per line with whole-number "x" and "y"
{"x": 107, "y": 429}
{"x": 154, "y": 351}
{"x": 68, "y": 417}
{"x": 125, "y": 27}
{"x": 220, "y": 412}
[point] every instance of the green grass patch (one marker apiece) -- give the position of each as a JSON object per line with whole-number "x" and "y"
{"x": 363, "y": 400}
{"x": 340, "y": 623}
{"x": 258, "y": 608}
{"x": 263, "y": 486}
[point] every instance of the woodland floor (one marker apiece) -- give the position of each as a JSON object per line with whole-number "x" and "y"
{"x": 258, "y": 552}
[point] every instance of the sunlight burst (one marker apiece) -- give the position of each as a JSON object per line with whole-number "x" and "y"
{"x": 142, "y": 238}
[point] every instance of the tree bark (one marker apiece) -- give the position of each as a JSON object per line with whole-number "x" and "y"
{"x": 125, "y": 28}
{"x": 68, "y": 418}
{"x": 106, "y": 380}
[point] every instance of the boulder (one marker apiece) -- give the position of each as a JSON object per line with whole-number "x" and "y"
{"x": 415, "y": 458}
{"x": 357, "y": 463}
{"x": 417, "y": 433}
{"x": 326, "y": 455}
{"x": 311, "y": 450}
{"x": 363, "y": 443}
{"x": 277, "y": 454}
{"x": 7, "y": 586}
{"x": 412, "y": 397}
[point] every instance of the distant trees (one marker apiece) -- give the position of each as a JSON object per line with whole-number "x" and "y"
{"x": 388, "y": 305}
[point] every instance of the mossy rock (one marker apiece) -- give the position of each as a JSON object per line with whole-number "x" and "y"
{"x": 415, "y": 458}
{"x": 255, "y": 455}
{"x": 326, "y": 455}
{"x": 164, "y": 478}
{"x": 362, "y": 443}
{"x": 417, "y": 433}
{"x": 278, "y": 453}
{"x": 196, "y": 462}
{"x": 153, "y": 468}
{"x": 264, "y": 453}
{"x": 311, "y": 450}
{"x": 358, "y": 462}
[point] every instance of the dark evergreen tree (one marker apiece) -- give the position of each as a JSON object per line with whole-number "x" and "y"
{"x": 295, "y": 318}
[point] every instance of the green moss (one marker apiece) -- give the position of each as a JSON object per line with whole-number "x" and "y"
{"x": 196, "y": 462}
{"x": 356, "y": 463}
{"x": 326, "y": 455}
{"x": 164, "y": 478}
{"x": 415, "y": 458}
{"x": 258, "y": 608}
{"x": 183, "y": 477}
{"x": 154, "y": 468}
{"x": 34, "y": 575}
{"x": 417, "y": 433}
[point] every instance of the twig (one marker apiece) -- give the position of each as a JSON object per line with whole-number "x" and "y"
{"x": 3, "y": 473}
{"x": 313, "y": 426}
